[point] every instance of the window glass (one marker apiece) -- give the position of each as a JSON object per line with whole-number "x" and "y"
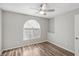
{"x": 31, "y": 30}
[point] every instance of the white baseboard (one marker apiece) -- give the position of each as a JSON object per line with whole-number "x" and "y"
{"x": 25, "y": 44}
{"x": 60, "y": 46}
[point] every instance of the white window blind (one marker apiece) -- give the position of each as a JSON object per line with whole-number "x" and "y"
{"x": 31, "y": 30}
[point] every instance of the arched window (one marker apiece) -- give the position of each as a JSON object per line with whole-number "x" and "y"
{"x": 31, "y": 30}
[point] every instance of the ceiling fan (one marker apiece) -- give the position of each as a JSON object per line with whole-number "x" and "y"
{"x": 44, "y": 9}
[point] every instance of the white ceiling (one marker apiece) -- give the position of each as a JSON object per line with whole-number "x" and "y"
{"x": 30, "y": 8}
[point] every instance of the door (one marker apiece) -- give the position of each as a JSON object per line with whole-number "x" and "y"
{"x": 77, "y": 35}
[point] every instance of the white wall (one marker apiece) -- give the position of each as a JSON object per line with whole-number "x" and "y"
{"x": 51, "y": 25}
{"x": 13, "y": 29}
{"x": 63, "y": 35}
{"x": 0, "y": 30}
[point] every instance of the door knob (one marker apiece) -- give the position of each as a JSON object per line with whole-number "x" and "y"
{"x": 77, "y": 38}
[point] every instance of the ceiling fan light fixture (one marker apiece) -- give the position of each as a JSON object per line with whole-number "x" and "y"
{"x": 42, "y": 12}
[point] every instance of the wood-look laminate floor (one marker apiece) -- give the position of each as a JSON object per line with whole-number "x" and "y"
{"x": 40, "y": 49}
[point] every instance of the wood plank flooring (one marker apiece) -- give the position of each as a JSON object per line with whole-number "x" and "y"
{"x": 40, "y": 49}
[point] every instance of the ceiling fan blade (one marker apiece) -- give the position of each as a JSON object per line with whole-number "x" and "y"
{"x": 50, "y": 10}
{"x": 34, "y": 9}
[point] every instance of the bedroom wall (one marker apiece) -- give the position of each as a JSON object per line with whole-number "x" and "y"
{"x": 63, "y": 28}
{"x": 0, "y": 29}
{"x": 64, "y": 32}
{"x": 13, "y": 29}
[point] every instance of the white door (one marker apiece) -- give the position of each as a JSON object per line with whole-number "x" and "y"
{"x": 77, "y": 35}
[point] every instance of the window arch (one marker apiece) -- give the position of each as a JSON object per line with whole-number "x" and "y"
{"x": 31, "y": 30}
